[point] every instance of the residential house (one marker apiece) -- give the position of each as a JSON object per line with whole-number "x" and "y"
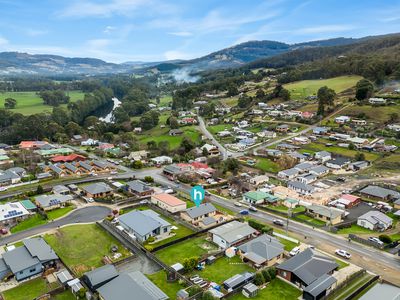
{"x": 348, "y": 200}
{"x": 379, "y": 193}
{"x": 306, "y": 267}
{"x": 90, "y": 142}
{"x": 377, "y": 101}
{"x": 320, "y": 130}
{"x": 97, "y": 190}
{"x": 34, "y": 257}
{"x": 12, "y": 212}
{"x": 342, "y": 119}
{"x": 358, "y": 122}
{"x": 337, "y": 163}
{"x": 358, "y": 165}
{"x": 320, "y": 288}
{"x": 375, "y": 220}
{"x": 67, "y": 158}
{"x": 54, "y": 152}
{"x": 71, "y": 169}
{"x": 323, "y": 156}
{"x": 394, "y": 127}
{"x": 139, "y": 188}
{"x": 304, "y": 167}
{"x": 330, "y": 215}
{"x": 258, "y": 180}
{"x": 53, "y": 201}
{"x": 137, "y": 130}
{"x": 381, "y": 290}
{"x": 288, "y": 174}
{"x": 175, "y": 132}
{"x": 319, "y": 170}
{"x": 274, "y": 152}
{"x": 138, "y": 155}
{"x": 162, "y": 160}
{"x": 61, "y": 190}
{"x": 264, "y": 250}
{"x": 31, "y": 145}
{"x": 307, "y": 178}
{"x": 283, "y": 128}
{"x": 301, "y": 188}
{"x": 168, "y": 202}
{"x": 298, "y": 156}
{"x": 28, "y": 205}
{"x": 100, "y": 276}
{"x": 197, "y": 214}
{"x": 397, "y": 204}
{"x": 131, "y": 285}
{"x": 86, "y": 167}
{"x": 11, "y": 176}
{"x": 143, "y": 224}
{"x": 255, "y": 197}
{"x": 231, "y": 234}
{"x": 211, "y": 149}
{"x": 55, "y": 169}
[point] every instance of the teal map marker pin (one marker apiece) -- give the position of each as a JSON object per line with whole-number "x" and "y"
{"x": 197, "y": 194}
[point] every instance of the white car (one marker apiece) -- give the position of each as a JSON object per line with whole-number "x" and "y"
{"x": 343, "y": 253}
{"x": 3, "y": 188}
{"x": 375, "y": 240}
{"x": 295, "y": 251}
{"x": 238, "y": 204}
{"x": 197, "y": 280}
{"x": 194, "y": 277}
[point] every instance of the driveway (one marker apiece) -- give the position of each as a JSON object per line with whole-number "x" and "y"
{"x": 82, "y": 215}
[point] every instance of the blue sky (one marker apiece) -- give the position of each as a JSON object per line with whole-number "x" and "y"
{"x": 152, "y": 30}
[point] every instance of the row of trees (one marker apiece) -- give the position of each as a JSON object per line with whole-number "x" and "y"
{"x": 54, "y": 98}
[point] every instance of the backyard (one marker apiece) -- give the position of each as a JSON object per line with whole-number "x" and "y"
{"x": 277, "y": 289}
{"x": 76, "y": 247}
{"x": 267, "y": 165}
{"x": 29, "y": 103}
{"x": 194, "y": 247}
{"x": 160, "y": 280}
{"x": 30, "y": 290}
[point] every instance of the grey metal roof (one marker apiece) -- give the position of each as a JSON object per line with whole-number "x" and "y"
{"x": 290, "y": 172}
{"x": 132, "y": 285}
{"x": 102, "y": 274}
{"x": 238, "y": 278}
{"x": 53, "y": 199}
{"x": 60, "y": 189}
{"x": 323, "y": 154}
{"x": 143, "y": 221}
{"x": 319, "y": 169}
{"x": 70, "y": 167}
{"x": 309, "y": 266}
{"x": 39, "y": 248}
{"x": 250, "y": 287}
{"x": 377, "y": 191}
{"x": 301, "y": 186}
{"x": 326, "y": 211}
{"x": 376, "y": 217}
{"x": 19, "y": 259}
{"x": 382, "y": 291}
{"x": 233, "y": 231}
{"x": 208, "y": 221}
{"x": 321, "y": 284}
{"x": 262, "y": 248}
{"x": 64, "y": 276}
{"x": 86, "y": 166}
{"x": 56, "y": 169}
{"x": 100, "y": 164}
{"x": 138, "y": 186}
{"x": 97, "y": 188}
{"x": 304, "y": 166}
{"x": 201, "y": 210}
{"x": 340, "y": 161}
{"x": 3, "y": 266}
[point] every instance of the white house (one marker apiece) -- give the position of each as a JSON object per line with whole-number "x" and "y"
{"x": 342, "y": 119}
{"x": 323, "y": 156}
{"x": 162, "y": 160}
{"x": 375, "y": 220}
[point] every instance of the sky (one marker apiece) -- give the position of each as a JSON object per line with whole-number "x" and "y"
{"x": 158, "y": 30}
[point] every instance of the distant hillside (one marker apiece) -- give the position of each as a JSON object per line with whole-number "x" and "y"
{"x": 12, "y": 63}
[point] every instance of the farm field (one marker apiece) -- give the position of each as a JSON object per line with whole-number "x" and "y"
{"x": 304, "y": 88}
{"x": 29, "y": 103}
{"x": 78, "y": 251}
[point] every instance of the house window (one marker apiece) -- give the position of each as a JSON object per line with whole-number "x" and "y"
{"x": 165, "y": 229}
{"x": 32, "y": 270}
{"x": 22, "y": 272}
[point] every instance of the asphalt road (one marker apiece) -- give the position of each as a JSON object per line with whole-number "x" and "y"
{"x": 81, "y": 215}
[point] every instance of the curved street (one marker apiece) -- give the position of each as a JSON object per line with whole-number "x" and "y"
{"x": 80, "y": 215}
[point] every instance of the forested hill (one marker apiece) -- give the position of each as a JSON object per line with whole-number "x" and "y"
{"x": 375, "y": 58}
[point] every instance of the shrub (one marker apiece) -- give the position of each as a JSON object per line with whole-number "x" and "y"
{"x": 266, "y": 275}
{"x": 385, "y": 238}
{"x": 259, "y": 279}
{"x": 256, "y": 225}
{"x": 190, "y": 263}
{"x": 272, "y": 272}
{"x": 151, "y": 239}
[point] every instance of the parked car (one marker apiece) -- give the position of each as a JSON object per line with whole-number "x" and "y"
{"x": 3, "y": 188}
{"x": 278, "y": 222}
{"x": 238, "y": 204}
{"x": 144, "y": 202}
{"x": 375, "y": 240}
{"x": 3, "y": 231}
{"x": 194, "y": 277}
{"x": 203, "y": 284}
{"x": 244, "y": 212}
{"x": 253, "y": 209}
{"x": 197, "y": 280}
{"x": 343, "y": 253}
{"x": 295, "y": 251}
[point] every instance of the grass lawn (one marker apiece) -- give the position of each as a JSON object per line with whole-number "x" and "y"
{"x": 29, "y": 103}
{"x": 267, "y": 165}
{"x": 224, "y": 210}
{"x": 214, "y": 129}
{"x": 341, "y": 264}
{"x": 160, "y": 280}
{"x": 82, "y": 247}
{"x": 283, "y": 208}
{"x": 67, "y": 295}
{"x": 230, "y": 101}
{"x": 277, "y": 289}
{"x": 28, "y": 290}
{"x": 311, "y": 220}
{"x": 304, "y": 88}
{"x": 161, "y": 134}
{"x": 377, "y": 114}
{"x": 58, "y": 213}
{"x": 195, "y": 247}
{"x": 288, "y": 245}
{"x": 37, "y": 219}
{"x": 181, "y": 232}
{"x": 223, "y": 268}
{"x": 355, "y": 229}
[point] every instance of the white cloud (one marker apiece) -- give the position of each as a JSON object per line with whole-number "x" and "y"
{"x": 109, "y": 29}
{"x": 181, "y": 33}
